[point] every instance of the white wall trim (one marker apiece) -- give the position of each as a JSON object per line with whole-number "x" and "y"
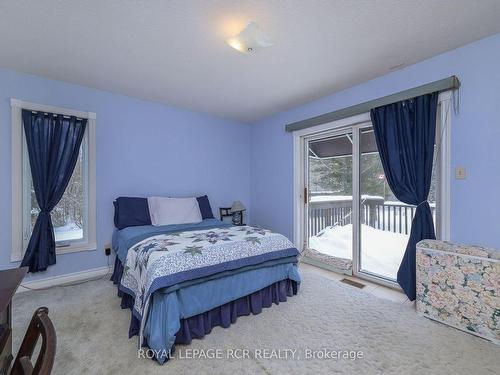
{"x": 64, "y": 279}
{"x": 445, "y": 101}
{"x": 298, "y": 191}
{"x": 92, "y": 203}
{"x": 17, "y": 182}
{"x": 17, "y": 172}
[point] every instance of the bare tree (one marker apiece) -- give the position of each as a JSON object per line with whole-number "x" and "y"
{"x": 69, "y": 210}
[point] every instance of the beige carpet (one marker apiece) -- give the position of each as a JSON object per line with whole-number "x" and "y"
{"x": 92, "y": 335}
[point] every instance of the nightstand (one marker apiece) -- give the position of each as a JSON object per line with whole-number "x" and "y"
{"x": 226, "y": 212}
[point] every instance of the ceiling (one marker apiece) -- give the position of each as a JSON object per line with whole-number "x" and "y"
{"x": 174, "y": 51}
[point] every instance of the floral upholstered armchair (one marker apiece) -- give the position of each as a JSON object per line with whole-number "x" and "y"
{"x": 459, "y": 285}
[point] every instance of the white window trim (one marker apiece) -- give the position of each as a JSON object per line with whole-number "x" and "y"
{"x": 18, "y": 249}
{"x": 444, "y": 120}
{"x": 445, "y": 102}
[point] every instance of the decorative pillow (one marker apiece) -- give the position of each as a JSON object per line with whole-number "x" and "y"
{"x": 167, "y": 211}
{"x": 205, "y": 208}
{"x": 131, "y": 211}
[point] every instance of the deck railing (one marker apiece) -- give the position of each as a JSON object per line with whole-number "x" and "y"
{"x": 389, "y": 216}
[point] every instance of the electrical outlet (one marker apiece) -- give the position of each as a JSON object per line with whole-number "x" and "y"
{"x": 460, "y": 173}
{"x": 107, "y": 249}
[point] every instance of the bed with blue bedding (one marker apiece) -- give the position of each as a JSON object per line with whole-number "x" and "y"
{"x": 182, "y": 280}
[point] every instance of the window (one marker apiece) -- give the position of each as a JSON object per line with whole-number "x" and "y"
{"x": 74, "y": 216}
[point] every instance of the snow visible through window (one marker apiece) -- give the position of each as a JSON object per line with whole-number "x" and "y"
{"x": 68, "y": 217}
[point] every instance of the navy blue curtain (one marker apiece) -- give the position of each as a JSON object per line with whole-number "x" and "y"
{"x": 53, "y": 145}
{"x": 405, "y": 133}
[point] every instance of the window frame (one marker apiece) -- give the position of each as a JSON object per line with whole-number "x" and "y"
{"x": 21, "y": 177}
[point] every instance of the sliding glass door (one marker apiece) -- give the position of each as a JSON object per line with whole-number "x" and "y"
{"x": 330, "y": 203}
{"x": 354, "y": 223}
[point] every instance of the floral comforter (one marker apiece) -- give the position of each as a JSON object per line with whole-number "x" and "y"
{"x": 168, "y": 259}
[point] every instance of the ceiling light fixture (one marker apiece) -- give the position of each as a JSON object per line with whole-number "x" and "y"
{"x": 250, "y": 39}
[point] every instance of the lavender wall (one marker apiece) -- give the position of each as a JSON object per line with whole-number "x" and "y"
{"x": 143, "y": 148}
{"x": 475, "y": 202}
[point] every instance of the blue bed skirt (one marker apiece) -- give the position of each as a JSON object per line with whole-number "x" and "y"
{"x": 200, "y": 325}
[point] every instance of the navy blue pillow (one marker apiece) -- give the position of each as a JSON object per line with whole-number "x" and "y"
{"x": 205, "y": 209}
{"x": 131, "y": 212}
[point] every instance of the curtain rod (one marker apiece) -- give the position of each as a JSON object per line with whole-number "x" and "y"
{"x": 450, "y": 83}
{"x": 21, "y": 104}
{"x": 56, "y": 114}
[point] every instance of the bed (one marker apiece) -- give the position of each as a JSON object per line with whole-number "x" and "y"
{"x": 180, "y": 281}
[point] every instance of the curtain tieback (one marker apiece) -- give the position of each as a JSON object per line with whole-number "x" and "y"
{"x": 421, "y": 203}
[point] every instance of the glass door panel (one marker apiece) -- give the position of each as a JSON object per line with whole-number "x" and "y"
{"x": 330, "y": 202}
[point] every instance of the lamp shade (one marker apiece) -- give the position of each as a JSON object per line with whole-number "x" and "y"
{"x": 237, "y": 206}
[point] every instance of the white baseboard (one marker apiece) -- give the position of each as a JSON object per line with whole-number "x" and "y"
{"x": 63, "y": 279}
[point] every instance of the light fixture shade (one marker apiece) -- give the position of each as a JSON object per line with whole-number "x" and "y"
{"x": 237, "y": 206}
{"x": 250, "y": 39}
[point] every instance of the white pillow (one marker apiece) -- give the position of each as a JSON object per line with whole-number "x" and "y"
{"x": 167, "y": 211}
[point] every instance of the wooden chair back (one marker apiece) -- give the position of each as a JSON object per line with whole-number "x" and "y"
{"x": 40, "y": 326}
